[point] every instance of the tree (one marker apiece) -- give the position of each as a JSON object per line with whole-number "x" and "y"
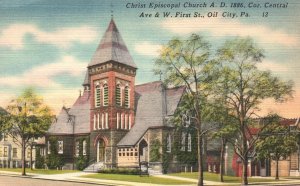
{"x": 276, "y": 142}
{"x": 187, "y": 62}
{"x": 28, "y": 118}
{"x": 247, "y": 87}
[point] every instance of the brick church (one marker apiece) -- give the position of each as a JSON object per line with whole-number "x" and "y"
{"x": 115, "y": 122}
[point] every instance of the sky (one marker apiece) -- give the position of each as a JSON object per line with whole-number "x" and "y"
{"x": 48, "y": 44}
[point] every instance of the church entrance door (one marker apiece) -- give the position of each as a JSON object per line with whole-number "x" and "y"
{"x": 101, "y": 151}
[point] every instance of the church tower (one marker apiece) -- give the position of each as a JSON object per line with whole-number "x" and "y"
{"x": 110, "y": 79}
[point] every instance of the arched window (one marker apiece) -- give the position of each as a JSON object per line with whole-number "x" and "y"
{"x": 127, "y": 97}
{"x": 97, "y": 96}
{"x": 169, "y": 142}
{"x": 118, "y": 96}
{"x": 77, "y": 148}
{"x": 189, "y": 142}
{"x": 183, "y": 136}
{"x": 105, "y": 95}
{"x": 84, "y": 147}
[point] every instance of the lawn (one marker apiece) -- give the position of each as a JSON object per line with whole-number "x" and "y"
{"x": 137, "y": 178}
{"x": 38, "y": 171}
{"x": 215, "y": 177}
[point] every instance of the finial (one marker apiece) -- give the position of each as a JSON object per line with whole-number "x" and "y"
{"x": 64, "y": 103}
{"x": 111, "y": 9}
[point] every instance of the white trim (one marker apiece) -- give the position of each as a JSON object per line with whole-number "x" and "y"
{"x": 106, "y": 120}
{"x": 122, "y": 121}
{"x": 95, "y": 121}
{"x": 126, "y": 121}
{"x": 102, "y": 120}
{"x": 129, "y": 122}
{"x": 118, "y": 121}
{"x": 98, "y": 120}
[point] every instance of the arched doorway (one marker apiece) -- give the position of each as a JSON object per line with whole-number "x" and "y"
{"x": 101, "y": 151}
{"x": 143, "y": 151}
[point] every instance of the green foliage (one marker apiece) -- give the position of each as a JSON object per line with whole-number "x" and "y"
{"x": 120, "y": 171}
{"x": 276, "y": 142}
{"x": 155, "y": 154}
{"x": 242, "y": 87}
{"x": 185, "y": 157}
{"x": 28, "y": 116}
{"x": 54, "y": 160}
{"x": 81, "y": 161}
{"x": 166, "y": 156}
{"x": 39, "y": 159}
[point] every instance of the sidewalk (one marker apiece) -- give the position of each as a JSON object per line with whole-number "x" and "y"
{"x": 76, "y": 177}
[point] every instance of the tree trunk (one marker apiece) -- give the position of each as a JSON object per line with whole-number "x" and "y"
{"x": 245, "y": 171}
{"x": 23, "y": 157}
{"x": 31, "y": 157}
{"x": 222, "y": 160}
{"x": 245, "y": 160}
{"x": 277, "y": 170}
{"x": 200, "y": 158}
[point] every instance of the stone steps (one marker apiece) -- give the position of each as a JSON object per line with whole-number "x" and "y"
{"x": 95, "y": 167}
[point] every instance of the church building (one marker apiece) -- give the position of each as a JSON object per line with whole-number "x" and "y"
{"x": 115, "y": 123}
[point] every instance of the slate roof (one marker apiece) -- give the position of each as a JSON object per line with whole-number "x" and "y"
{"x": 86, "y": 79}
{"x": 152, "y": 106}
{"x": 112, "y": 48}
{"x": 78, "y": 114}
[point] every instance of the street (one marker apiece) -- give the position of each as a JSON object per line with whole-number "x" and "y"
{"x": 18, "y": 181}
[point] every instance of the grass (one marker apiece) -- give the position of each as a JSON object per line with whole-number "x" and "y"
{"x": 137, "y": 178}
{"x": 38, "y": 171}
{"x": 215, "y": 177}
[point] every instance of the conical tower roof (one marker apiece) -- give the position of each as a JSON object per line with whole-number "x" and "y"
{"x": 112, "y": 48}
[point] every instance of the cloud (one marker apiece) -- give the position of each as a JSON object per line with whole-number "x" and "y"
{"x": 56, "y": 98}
{"x": 218, "y": 27}
{"x": 274, "y": 66}
{"x": 41, "y": 76}
{"x": 289, "y": 109}
{"x": 13, "y": 35}
{"x": 148, "y": 49}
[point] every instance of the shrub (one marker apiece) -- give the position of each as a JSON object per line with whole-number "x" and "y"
{"x": 54, "y": 160}
{"x": 132, "y": 171}
{"x": 39, "y": 160}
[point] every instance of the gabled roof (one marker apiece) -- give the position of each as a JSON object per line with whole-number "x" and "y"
{"x": 81, "y": 111}
{"x": 151, "y": 109}
{"x": 3, "y": 111}
{"x": 112, "y": 48}
{"x": 74, "y": 120}
{"x": 62, "y": 125}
